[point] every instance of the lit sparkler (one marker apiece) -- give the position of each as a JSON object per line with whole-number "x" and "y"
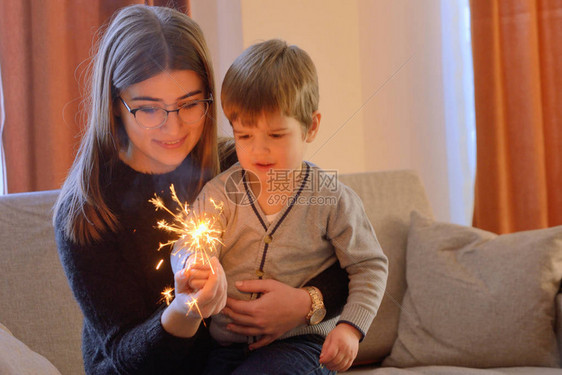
{"x": 198, "y": 234}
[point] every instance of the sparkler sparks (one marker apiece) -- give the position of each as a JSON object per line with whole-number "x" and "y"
{"x": 198, "y": 234}
{"x": 159, "y": 264}
{"x": 167, "y": 295}
{"x": 193, "y": 303}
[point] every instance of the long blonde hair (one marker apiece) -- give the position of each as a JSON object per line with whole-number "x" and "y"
{"x": 140, "y": 42}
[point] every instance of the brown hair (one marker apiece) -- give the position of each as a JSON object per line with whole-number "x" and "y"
{"x": 268, "y": 77}
{"x": 139, "y": 43}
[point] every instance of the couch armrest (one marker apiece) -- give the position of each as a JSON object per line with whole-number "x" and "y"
{"x": 39, "y": 310}
{"x": 558, "y": 327}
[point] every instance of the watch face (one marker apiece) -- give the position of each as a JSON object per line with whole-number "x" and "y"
{"x": 317, "y": 316}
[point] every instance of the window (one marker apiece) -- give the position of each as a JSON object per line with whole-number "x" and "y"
{"x": 459, "y": 108}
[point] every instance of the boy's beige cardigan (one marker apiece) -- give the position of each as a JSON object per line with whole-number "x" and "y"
{"x": 326, "y": 223}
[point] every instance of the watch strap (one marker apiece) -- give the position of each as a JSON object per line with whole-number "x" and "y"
{"x": 317, "y": 302}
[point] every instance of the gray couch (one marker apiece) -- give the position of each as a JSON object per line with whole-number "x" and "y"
{"x": 436, "y": 317}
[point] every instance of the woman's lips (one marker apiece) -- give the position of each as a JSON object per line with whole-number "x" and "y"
{"x": 171, "y": 144}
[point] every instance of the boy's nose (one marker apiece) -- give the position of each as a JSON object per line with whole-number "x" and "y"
{"x": 260, "y": 145}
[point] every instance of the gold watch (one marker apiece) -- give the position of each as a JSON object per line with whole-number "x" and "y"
{"x": 317, "y": 310}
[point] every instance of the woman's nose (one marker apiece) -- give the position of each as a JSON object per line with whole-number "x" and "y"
{"x": 173, "y": 122}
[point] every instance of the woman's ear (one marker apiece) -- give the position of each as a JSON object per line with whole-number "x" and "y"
{"x": 313, "y": 130}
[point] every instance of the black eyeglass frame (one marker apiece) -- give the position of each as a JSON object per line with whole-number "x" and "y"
{"x": 209, "y": 100}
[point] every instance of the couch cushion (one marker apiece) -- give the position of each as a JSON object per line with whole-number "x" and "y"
{"x": 559, "y": 322}
{"x": 477, "y": 299}
{"x": 388, "y": 197}
{"x": 44, "y": 314}
{"x": 453, "y": 370}
{"x": 17, "y": 359}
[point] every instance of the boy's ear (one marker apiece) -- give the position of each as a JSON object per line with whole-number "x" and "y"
{"x": 313, "y": 130}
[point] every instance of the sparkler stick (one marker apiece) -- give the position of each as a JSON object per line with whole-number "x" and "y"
{"x": 199, "y": 235}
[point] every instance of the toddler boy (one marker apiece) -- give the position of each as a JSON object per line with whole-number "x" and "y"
{"x": 285, "y": 219}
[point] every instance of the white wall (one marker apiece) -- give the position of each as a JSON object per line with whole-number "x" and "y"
{"x": 329, "y": 32}
{"x": 221, "y": 22}
{"x": 380, "y": 73}
{"x": 404, "y": 122}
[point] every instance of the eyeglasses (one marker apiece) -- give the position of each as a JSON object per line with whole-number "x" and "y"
{"x": 155, "y": 117}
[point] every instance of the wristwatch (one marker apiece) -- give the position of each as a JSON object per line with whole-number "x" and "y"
{"x": 317, "y": 310}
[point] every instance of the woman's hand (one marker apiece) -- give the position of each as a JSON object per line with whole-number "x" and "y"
{"x": 279, "y": 309}
{"x": 199, "y": 293}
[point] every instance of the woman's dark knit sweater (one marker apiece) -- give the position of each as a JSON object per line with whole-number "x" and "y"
{"x": 118, "y": 287}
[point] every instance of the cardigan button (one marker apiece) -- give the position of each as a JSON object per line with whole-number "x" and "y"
{"x": 267, "y": 239}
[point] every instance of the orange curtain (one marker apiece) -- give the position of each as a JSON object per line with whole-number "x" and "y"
{"x": 517, "y": 52}
{"x": 44, "y": 51}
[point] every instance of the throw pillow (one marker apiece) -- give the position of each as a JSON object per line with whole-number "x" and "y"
{"x": 17, "y": 358}
{"x": 477, "y": 299}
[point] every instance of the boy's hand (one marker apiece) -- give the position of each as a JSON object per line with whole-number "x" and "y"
{"x": 340, "y": 348}
{"x": 197, "y": 274}
{"x": 199, "y": 283}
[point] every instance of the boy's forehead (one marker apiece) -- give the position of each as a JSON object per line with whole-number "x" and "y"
{"x": 252, "y": 120}
{"x": 267, "y": 121}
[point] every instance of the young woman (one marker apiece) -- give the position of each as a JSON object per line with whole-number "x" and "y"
{"x": 151, "y": 123}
